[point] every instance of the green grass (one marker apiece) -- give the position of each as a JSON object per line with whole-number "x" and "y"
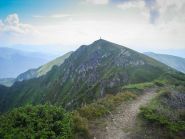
{"x": 56, "y": 62}
{"x": 105, "y": 105}
{"x": 82, "y": 116}
{"x": 166, "y": 111}
{"x": 139, "y": 86}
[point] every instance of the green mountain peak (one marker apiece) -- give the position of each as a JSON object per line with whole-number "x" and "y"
{"x": 91, "y": 72}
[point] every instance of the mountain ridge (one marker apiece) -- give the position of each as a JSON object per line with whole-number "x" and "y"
{"x": 91, "y": 72}
{"x": 42, "y": 70}
{"x": 175, "y": 62}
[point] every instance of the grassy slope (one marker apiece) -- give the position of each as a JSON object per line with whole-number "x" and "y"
{"x": 56, "y": 62}
{"x": 164, "y": 116}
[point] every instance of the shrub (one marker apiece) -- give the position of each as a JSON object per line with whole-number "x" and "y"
{"x": 80, "y": 126}
{"x": 42, "y": 121}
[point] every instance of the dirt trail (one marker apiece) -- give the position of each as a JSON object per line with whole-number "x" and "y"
{"x": 119, "y": 124}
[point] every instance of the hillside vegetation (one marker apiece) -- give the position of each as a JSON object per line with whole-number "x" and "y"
{"x": 164, "y": 116}
{"x": 91, "y": 72}
{"x": 47, "y": 121}
{"x": 36, "y": 122}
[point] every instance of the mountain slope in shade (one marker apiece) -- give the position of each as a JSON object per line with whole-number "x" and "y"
{"x": 13, "y": 62}
{"x": 175, "y": 62}
{"x": 91, "y": 72}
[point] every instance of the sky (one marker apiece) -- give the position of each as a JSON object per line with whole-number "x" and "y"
{"x": 59, "y": 26}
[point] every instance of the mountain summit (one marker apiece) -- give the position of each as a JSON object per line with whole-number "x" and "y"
{"x": 91, "y": 72}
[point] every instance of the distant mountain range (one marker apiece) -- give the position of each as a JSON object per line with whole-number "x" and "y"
{"x": 35, "y": 73}
{"x": 91, "y": 72}
{"x": 14, "y": 62}
{"x": 175, "y": 62}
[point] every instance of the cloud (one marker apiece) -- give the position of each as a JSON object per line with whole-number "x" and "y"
{"x": 171, "y": 10}
{"x": 12, "y": 20}
{"x": 158, "y": 11}
{"x": 145, "y": 7}
{"x": 132, "y": 5}
{"x": 136, "y": 10}
{"x": 153, "y": 10}
{"x": 60, "y": 15}
{"x": 53, "y": 16}
{"x": 12, "y": 25}
{"x": 98, "y": 2}
{"x": 12, "y": 31}
{"x": 155, "y": 24}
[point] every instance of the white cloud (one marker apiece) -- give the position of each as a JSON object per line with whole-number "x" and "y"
{"x": 60, "y": 15}
{"x": 132, "y": 5}
{"x": 171, "y": 10}
{"x": 12, "y": 31}
{"x": 12, "y": 20}
{"x": 136, "y": 10}
{"x": 52, "y": 16}
{"x": 101, "y": 2}
{"x": 12, "y": 25}
{"x": 126, "y": 23}
{"x": 1, "y": 25}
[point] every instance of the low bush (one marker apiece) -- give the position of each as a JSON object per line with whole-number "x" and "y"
{"x": 36, "y": 122}
{"x": 80, "y": 126}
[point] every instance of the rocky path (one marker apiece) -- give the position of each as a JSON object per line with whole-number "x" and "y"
{"x": 119, "y": 124}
